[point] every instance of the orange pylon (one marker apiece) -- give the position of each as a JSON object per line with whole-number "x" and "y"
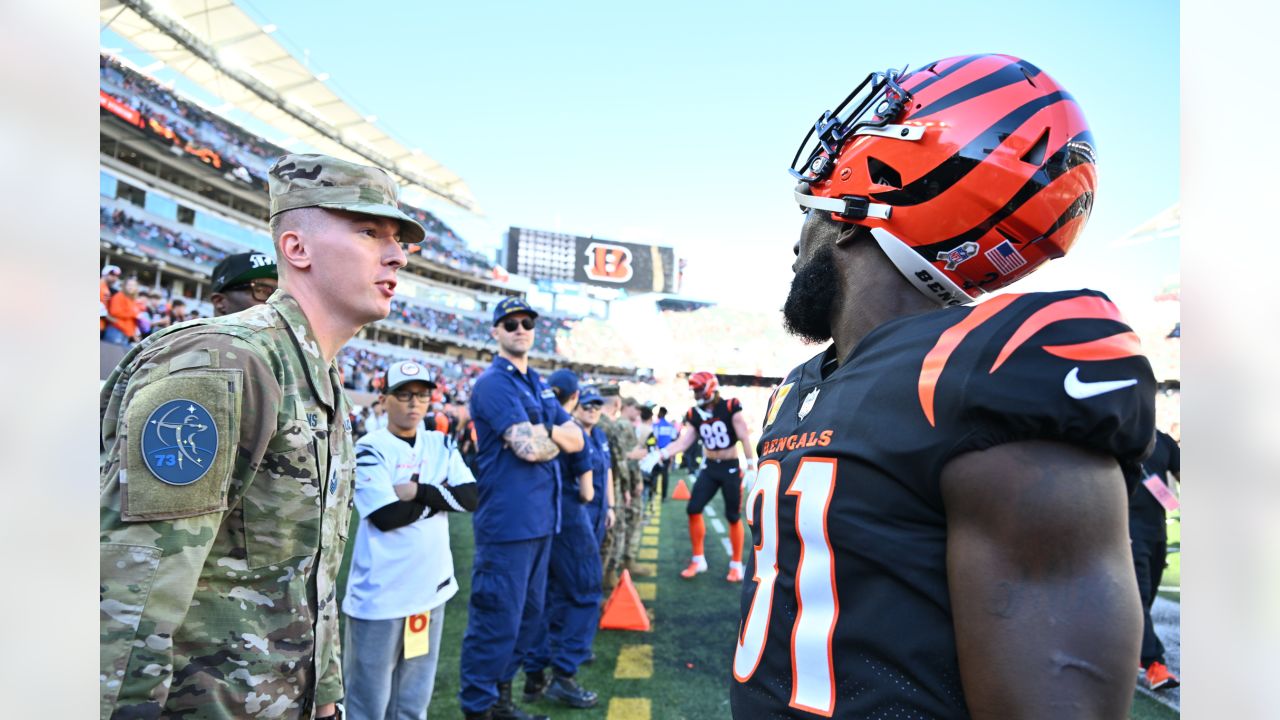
{"x": 624, "y": 611}
{"x": 681, "y": 492}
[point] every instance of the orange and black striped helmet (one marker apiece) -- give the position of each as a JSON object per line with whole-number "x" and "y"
{"x": 969, "y": 173}
{"x": 704, "y": 385}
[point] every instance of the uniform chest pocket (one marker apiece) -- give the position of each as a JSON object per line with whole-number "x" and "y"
{"x": 281, "y": 507}
{"x": 533, "y": 408}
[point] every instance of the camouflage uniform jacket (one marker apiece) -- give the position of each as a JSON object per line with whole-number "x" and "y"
{"x": 218, "y": 595}
{"x": 622, "y": 440}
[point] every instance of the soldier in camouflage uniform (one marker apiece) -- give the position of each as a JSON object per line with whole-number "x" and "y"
{"x": 619, "y": 547}
{"x": 628, "y": 415}
{"x": 227, "y": 467}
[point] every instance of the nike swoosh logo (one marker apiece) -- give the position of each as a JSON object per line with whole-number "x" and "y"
{"x": 1081, "y": 390}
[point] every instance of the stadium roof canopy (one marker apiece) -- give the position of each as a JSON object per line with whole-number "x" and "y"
{"x": 220, "y": 48}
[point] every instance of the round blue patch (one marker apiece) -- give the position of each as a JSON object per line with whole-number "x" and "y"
{"x": 180, "y": 442}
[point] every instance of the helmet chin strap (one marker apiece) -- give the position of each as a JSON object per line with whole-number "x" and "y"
{"x": 919, "y": 272}
{"x": 852, "y": 207}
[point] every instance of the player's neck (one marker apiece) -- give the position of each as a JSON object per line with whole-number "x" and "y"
{"x": 877, "y": 295}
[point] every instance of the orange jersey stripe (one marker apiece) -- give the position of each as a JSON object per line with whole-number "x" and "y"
{"x": 937, "y": 358}
{"x": 1089, "y": 308}
{"x": 1117, "y": 346}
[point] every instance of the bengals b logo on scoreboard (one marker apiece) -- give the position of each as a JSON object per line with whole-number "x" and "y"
{"x": 608, "y": 263}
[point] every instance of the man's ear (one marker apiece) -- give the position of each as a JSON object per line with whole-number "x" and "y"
{"x": 848, "y": 233}
{"x": 294, "y": 250}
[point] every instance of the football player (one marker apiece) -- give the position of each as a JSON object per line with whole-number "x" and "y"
{"x": 718, "y": 422}
{"x": 939, "y": 516}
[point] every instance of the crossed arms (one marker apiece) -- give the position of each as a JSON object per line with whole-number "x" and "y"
{"x": 532, "y": 443}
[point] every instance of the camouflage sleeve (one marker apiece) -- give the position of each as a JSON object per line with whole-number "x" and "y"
{"x": 627, "y": 441}
{"x": 157, "y": 525}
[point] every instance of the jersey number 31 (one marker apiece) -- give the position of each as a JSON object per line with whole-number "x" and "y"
{"x": 812, "y": 675}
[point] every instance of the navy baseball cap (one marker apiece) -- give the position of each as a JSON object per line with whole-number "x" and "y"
{"x": 564, "y": 380}
{"x": 589, "y": 395}
{"x": 511, "y": 306}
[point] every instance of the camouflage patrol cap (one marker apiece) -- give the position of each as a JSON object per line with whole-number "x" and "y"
{"x": 299, "y": 181}
{"x": 610, "y": 390}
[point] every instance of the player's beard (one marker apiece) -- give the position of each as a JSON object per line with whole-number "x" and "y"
{"x": 807, "y": 312}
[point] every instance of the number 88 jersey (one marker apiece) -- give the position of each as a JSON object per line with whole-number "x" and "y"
{"x": 846, "y": 609}
{"x": 715, "y": 426}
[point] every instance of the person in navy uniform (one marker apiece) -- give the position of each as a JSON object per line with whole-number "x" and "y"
{"x": 575, "y": 572}
{"x": 520, "y": 429}
{"x": 939, "y": 512}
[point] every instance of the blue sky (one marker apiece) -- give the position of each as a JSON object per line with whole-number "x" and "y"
{"x": 675, "y": 122}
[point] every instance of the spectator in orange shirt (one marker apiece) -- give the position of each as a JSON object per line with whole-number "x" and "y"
{"x": 107, "y": 284}
{"x": 123, "y": 311}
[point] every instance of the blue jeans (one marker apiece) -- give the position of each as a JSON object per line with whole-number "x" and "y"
{"x": 114, "y": 335}
{"x": 380, "y": 683}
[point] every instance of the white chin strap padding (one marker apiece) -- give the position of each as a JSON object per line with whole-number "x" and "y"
{"x": 920, "y": 272}
{"x": 838, "y": 206}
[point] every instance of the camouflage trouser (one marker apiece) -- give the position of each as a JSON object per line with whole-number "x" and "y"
{"x": 635, "y": 527}
{"x": 614, "y": 539}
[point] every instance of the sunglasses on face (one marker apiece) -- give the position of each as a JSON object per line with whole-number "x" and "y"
{"x": 260, "y": 291}
{"x": 405, "y": 396}
{"x": 511, "y": 325}
{"x": 591, "y": 406}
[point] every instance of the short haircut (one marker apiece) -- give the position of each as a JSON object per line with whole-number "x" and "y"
{"x": 662, "y": 412}
{"x": 629, "y": 402}
{"x": 303, "y": 218}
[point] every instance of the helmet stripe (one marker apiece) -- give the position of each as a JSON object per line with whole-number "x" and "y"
{"x": 1010, "y": 74}
{"x": 930, "y": 80}
{"x": 1056, "y": 167}
{"x": 950, "y": 171}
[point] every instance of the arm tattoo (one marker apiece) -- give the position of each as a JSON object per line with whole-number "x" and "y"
{"x": 530, "y": 444}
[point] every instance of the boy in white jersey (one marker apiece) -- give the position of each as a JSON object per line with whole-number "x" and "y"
{"x": 407, "y": 478}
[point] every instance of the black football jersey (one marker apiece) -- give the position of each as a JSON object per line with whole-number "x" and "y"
{"x": 715, "y": 426}
{"x": 855, "y": 621}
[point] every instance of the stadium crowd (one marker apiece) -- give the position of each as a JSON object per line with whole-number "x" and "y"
{"x": 128, "y": 313}
{"x": 474, "y": 329}
{"x": 139, "y": 231}
{"x": 215, "y": 141}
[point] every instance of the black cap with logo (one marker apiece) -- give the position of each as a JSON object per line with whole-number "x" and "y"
{"x": 242, "y": 267}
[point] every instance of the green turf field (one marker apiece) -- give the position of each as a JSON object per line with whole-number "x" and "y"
{"x": 1173, "y": 573}
{"x": 690, "y": 645}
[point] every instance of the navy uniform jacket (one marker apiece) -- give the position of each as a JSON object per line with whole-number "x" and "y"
{"x": 855, "y": 622}
{"x": 519, "y": 500}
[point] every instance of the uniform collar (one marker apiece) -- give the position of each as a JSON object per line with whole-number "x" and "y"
{"x": 506, "y": 365}
{"x": 322, "y": 378}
